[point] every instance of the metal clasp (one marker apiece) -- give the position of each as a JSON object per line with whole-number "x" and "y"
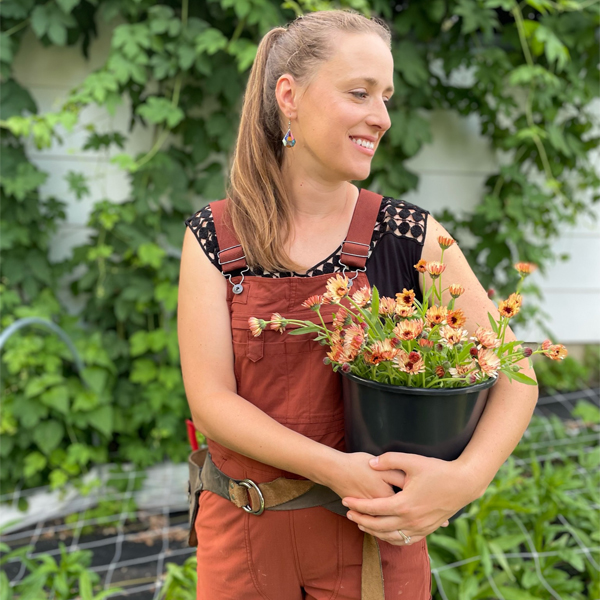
{"x": 229, "y": 261}
{"x": 248, "y": 483}
{"x": 351, "y": 281}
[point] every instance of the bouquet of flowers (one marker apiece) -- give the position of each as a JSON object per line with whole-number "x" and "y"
{"x": 401, "y": 341}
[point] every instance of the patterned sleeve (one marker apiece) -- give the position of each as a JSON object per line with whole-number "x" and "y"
{"x": 203, "y": 227}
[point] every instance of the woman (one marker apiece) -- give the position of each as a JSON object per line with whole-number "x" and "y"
{"x": 268, "y": 405}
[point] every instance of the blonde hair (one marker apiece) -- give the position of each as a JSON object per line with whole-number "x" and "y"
{"x": 259, "y": 207}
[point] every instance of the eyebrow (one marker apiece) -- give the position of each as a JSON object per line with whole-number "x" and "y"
{"x": 372, "y": 81}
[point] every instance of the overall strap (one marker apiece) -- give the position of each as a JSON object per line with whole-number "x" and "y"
{"x": 231, "y": 254}
{"x": 355, "y": 247}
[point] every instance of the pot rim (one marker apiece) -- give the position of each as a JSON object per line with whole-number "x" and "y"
{"x": 419, "y": 391}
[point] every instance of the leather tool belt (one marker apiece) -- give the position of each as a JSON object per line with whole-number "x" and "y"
{"x": 279, "y": 494}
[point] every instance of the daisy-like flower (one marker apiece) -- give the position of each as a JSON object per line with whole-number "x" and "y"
{"x": 456, "y": 290}
{"x": 408, "y": 330}
{"x": 445, "y": 242}
{"x": 439, "y": 371}
{"x": 486, "y": 338}
{"x": 409, "y": 362}
{"x": 340, "y": 317}
{"x": 435, "y": 269}
{"x": 354, "y": 338}
{"x": 336, "y": 354}
{"x": 488, "y": 361}
{"x": 554, "y": 351}
{"x": 363, "y": 296}
{"x": 525, "y": 268}
{"x": 425, "y": 343}
{"x": 508, "y": 308}
{"x": 387, "y": 306}
{"x": 278, "y": 322}
{"x": 421, "y": 266}
{"x": 256, "y": 325}
{"x": 406, "y": 297}
{"x": 515, "y": 299}
{"x": 403, "y": 310}
{"x": 451, "y": 337}
{"x": 456, "y": 318}
{"x": 462, "y": 370}
{"x": 314, "y": 302}
{"x": 337, "y": 288}
{"x": 379, "y": 351}
{"x": 436, "y": 315}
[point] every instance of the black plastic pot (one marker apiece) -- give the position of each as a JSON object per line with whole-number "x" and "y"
{"x": 383, "y": 418}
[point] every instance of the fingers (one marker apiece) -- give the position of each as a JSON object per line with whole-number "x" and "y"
{"x": 371, "y": 506}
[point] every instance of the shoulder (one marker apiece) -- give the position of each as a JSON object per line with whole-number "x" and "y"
{"x": 402, "y": 219}
{"x": 202, "y": 225}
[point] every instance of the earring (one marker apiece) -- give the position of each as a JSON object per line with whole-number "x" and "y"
{"x": 288, "y": 139}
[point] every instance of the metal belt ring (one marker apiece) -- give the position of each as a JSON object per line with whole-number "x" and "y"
{"x": 248, "y": 483}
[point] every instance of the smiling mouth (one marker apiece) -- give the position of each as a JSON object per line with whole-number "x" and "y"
{"x": 371, "y": 145}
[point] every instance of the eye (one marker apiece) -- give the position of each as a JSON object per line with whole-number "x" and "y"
{"x": 386, "y": 102}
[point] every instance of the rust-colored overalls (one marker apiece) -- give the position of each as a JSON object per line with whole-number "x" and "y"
{"x": 291, "y": 554}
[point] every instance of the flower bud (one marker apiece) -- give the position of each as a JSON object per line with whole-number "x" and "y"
{"x": 346, "y": 367}
{"x": 473, "y": 351}
{"x": 326, "y": 360}
{"x": 527, "y": 352}
{"x": 439, "y": 371}
{"x": 491, "y": 293}
{"x": 446, "y": 364}
{"x": 471, "y": 378}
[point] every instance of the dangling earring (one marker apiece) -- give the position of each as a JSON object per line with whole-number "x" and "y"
{"x": 288, "y": 139}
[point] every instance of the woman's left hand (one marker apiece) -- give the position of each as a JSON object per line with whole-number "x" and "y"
{"x": 432, "y": 491}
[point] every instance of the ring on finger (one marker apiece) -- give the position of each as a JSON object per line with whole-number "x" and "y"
{"x": 406, "y": 537}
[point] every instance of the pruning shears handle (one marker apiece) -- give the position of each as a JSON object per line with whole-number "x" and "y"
{"x": 191, "y": 431}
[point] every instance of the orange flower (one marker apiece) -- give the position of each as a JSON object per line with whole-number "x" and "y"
{"x": 406, "y": 297}
{"x": 515, "y": 299}
{"x": 436, "y": 315}
{"x": 456, "y": 318}
{"x": 336, "y": 354}
{"x": 421, "y": 266}
{"x": 340, "y": 317}
{"x": 387, "y": 306}
{"x": 456, "y": 290}
{"x": 408, "y": 330}
{"x": 488, "y": 361}
{"x": 486, "y": 338}
{"x": 525, "y": 268}
{"x": 337, "y": 288}
{"x": 256, "y": 326}
{"x": 363, "y": 296}
{"x": 402, "y": 310}
{"x": 354, "y": 337}
{"x": 278, "y": 322}
{"x": 451, "y": 337}
{"x": 462, "y": 370}
{"x": 554, "y": 351}
{"x": 409, "y": 362}
{"x": 425, "y": 343}
{"x": 445, "y": 242}
{"x": 314, "y": 302}
{"x": 435, "y": 269}
{"x": 509, "y": 308}
{"x": 380, "y": 351}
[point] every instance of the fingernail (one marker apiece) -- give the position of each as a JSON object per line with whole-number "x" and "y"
{"x": 374, "y": 461}
{"x": 349, "y": 516}
{"x": 344, "y": 503}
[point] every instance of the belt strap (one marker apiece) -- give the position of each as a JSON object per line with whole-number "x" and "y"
{"x": 279, "y": 494}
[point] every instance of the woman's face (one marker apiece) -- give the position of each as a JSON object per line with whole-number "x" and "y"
{"x": 337, "y": 105}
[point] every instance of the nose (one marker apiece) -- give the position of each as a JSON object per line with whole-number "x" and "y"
{"x": 379, "y": 117}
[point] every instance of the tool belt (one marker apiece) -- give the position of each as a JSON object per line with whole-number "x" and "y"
{"x": 279, "y": 494}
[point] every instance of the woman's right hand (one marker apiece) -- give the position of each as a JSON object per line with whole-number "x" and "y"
{"x": 355, "y": 477}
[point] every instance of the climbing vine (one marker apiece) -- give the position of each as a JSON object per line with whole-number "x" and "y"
{"x": 183, "y": 68}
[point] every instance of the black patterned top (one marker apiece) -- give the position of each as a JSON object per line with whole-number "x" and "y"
{"x": 395, "y": 248}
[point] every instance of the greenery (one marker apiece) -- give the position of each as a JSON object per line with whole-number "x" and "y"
{"x": 183, "y": 67}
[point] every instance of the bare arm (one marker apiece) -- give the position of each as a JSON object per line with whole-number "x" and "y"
{"x": 204, "y": 332}
{"x": 510, "y": 404}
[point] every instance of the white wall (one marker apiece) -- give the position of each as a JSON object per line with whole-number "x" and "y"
{"x": 452, "y": 171}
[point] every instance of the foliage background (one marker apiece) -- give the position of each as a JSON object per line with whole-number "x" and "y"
{"x": 182, "y": 67}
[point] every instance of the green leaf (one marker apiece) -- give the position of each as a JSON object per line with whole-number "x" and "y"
{"x": 34, "y": 462}
{"x": 48, "y": 435}
{"x": 102, "y": 419}
{"x": 304, "y": 329}
{"x": 522, "y": 378}
{"x": 493, "y": 323}
{"x": 587, "y": 412}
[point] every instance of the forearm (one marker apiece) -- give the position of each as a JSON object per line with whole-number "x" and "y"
{"x": 506, "y": 416}
{"x": 235, "y": 423}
